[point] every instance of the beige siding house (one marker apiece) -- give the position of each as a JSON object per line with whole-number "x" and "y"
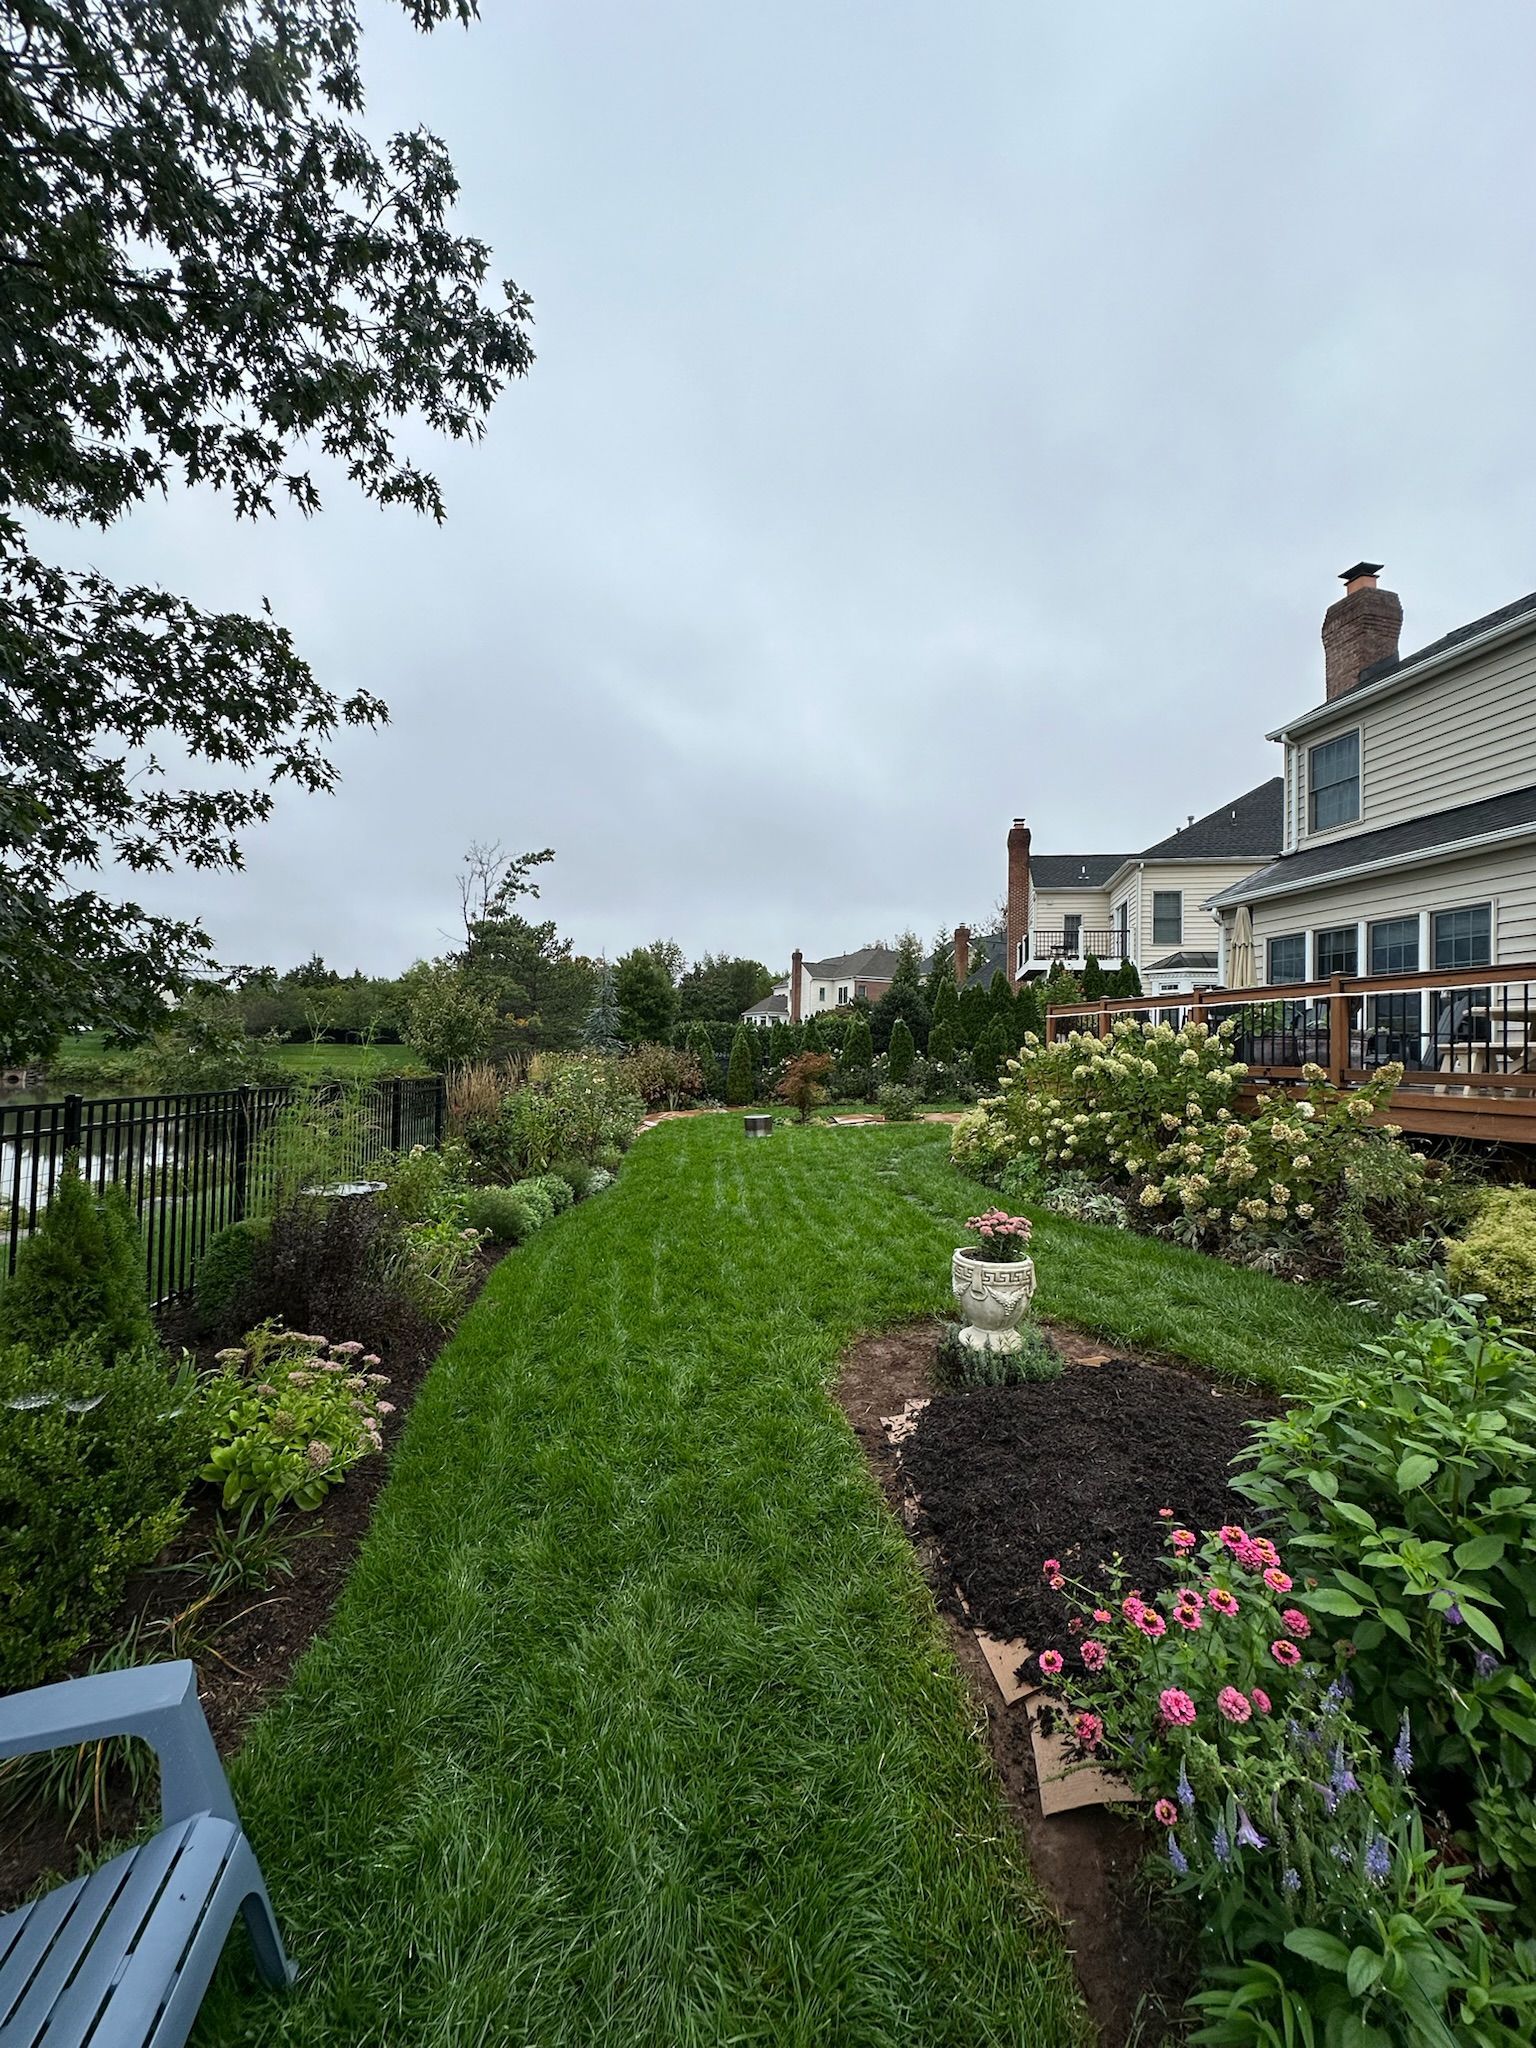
{"x": 1409, "y": 803}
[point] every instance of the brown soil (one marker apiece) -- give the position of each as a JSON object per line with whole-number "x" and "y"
{"x": 987, "y": 1492}
{"x": 245, "y": 1645}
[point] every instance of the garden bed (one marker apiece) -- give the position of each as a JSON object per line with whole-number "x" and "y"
{"x": 990, "y": 1482}
{"x": 245, "y": 1642}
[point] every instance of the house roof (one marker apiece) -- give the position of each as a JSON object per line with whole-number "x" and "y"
{"x": 1252, "y": 827}
{"x": 870, "y": 963}
{"x": 770, "y": 1006}
{"x": 1170, "y": 961}
{"x": 1427, "y": 838}
{"x": 1074, "y": 870}
{"x": 987, "y": 956}
{"x": 1402, "y": 667}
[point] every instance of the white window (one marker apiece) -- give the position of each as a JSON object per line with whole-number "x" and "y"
{"x": 842, "y": 996}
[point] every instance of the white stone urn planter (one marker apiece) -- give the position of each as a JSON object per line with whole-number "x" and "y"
{"x": 993, "y": 1295}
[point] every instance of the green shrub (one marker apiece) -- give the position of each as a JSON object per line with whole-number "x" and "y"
{"x": 422, "y": 1186}
{"x": 960, "y": 1365}
{"x": 557, "y": 1191}
{"x": 992, "y": 1048}
{"x": 1403, "y": 1478}
{"x": 902, "y": 1053}
{"x": 574, "y": 1106}
{"x": 224, "y": 1274}
{"x": 608, "y": 1157}
{"x": 576, "y": 1174}
{"x": 858, "y": 1048}
{"x": 94, "y": 1464}
{"x": 741, "y": 1075}
{"x": 897, "y": 1105}
{"x": 1497, "y": 1256}
{"x": 80, "y": 1276}
{"x": 598, "y": 1179}
{"x": 509, "y": 1215}
{"x": 289, "y": 1417}
{"x": 431, "y": 1266}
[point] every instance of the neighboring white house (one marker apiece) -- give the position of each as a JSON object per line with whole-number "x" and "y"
{"x": 1147, "y": 907}
{"x": 1409, "y": 832}
{"x": 825, "y": 985}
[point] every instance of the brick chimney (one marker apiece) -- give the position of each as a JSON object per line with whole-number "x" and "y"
{"x": 794, "y": 985}
{"x": 1359, "y": 628}
{"x": 1018, "y": 898}
{"x": 962, "y": 954}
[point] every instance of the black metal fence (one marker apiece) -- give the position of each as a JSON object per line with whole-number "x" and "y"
{"x": 190, "y": 1164}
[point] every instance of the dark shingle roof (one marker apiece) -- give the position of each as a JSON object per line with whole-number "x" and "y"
{"x": 1073, "y": 870}
{"x": 1173, "y": 960}
{"x": 770, "y": 1006}
{"x": 1505, "y": 813}
{"x": 873, "y": 963}
{"x": 1486, "y": 624}
{"x": 987, "y": 956}
{"x": 1250, "y": 827}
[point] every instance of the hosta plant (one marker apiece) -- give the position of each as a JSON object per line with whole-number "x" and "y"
{"x": 290, "y": 1415}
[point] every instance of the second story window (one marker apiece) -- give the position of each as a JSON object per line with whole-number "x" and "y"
{"x": 1288, "y": 957}
{"x": 1167, "y": 917}
{"x": 1333, "y": 782}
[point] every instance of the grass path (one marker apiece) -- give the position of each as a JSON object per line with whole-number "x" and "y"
{"x": 634, "y": 1724}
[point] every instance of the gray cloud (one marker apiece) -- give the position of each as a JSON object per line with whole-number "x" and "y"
{"x": 940, "y": 414}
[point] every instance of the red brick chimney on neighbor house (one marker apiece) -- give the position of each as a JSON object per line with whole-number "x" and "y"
{"x": 962, "y": 954}
{"x": 1359, "y": 628}
{"x": 1018, "y": 898}
{"x": 794, "y": 985}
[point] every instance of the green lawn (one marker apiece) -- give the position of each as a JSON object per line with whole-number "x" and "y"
{"x": 353, "y": 1062}
{"x": 635, "y": 1723}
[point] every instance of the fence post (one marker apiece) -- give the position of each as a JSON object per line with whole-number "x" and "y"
{"x": 74, "y": 1112}
{"x": 439, "y": 1111}
{"x": 396, "y": 1114}
{"x": 240, "y": 1163}
{"x": 1103, "y": 1017}
{"x": 1338, "y": 1031}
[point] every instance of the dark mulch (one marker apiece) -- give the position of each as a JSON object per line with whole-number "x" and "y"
{"x": 1075, "y": 1469}
{"x": 245, "y": 1645}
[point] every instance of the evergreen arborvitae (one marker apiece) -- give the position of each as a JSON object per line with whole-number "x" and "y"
{"x": 1095, "y": 980}
{"x": 1128, "y": 980}
{"x": 1001, "y": 994}
{"x": 702, "y": 1046}
{"x": 946, "y": 1004}
{"x": 975, "y": 1014}
{"x": 903, "y": 1052}
{"x": 80, "y": 1275}
{"x": 811, "y": 1039}
{"x": 1028, "y": 1012}
{"x": 941, "y": 1043}
{"x": 741, "y": 1075}
{"x": 989, "y": 1054}
{"x": 858, "y": 1046}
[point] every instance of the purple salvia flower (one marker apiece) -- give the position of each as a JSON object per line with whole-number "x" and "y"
{"x": 1177, "y": 1858}
{"x": 1221, "y": 1845}
{"x": 1484, "y": 1663}
{"x": 1185, "y": 1791}
{"x": 1378, "y": 1859}
{"x": 1342, "y": 1778}
{"x": 1402, "y": 1750}
{"x": 1341, "y": 1855}
{"x": 1454, "y": 1616}
{"x": 1247, "y": 1833}
{"x": 1290, "y": 1880}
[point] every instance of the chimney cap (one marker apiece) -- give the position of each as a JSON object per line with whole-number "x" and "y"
{"x": 1371, "y": 569}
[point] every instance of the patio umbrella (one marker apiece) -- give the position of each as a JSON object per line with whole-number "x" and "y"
{"x": 1240, "y": 950}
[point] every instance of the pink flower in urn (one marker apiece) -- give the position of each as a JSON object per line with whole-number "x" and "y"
{"x": 1001, "y": 1236}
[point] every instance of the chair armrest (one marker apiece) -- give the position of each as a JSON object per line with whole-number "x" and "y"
{"x": 156, "y": 1701}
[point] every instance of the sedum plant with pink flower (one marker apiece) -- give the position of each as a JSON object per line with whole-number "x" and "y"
{"x": 1001, "y": 1237}
{"x": 1299, "y": 1843}
{"x": 289, "y": 1415}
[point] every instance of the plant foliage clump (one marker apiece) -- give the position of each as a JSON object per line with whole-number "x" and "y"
{"x": 80, "y": 1276}
{"x": 1497, "y": 1256}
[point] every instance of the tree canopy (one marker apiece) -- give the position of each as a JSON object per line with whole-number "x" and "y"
{"x": 208, "y": 274}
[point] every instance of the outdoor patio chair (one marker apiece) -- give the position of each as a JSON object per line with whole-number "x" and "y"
{"x": 122, "y": 1958}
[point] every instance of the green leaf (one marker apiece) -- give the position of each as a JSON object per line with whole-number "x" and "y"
{"x": 1503, "y": 1498}
{"x": 1479, "y": 1552}
{"x": 1326, "y": 1950}
{"x": 1323, "y": 1483}
{"x": 1356, "y": 1515}
{"x": 1415, "y": 1469}
{"x": 1363, "y": 1971}
{"x": 1482, "y": 1626}
{"x": 1328, "y": 1601}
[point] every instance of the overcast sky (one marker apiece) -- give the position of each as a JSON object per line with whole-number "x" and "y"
{"x": 942, "y": 413}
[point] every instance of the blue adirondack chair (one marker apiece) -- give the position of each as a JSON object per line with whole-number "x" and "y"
{"x": 122, "y": 1958}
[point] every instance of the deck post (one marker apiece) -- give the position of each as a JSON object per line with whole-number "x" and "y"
{"x": 1338, "y": 1031}
{"x": 1103, "y": 1017}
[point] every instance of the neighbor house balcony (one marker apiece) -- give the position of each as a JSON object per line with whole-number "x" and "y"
{"x": 1465, "y": 1038}
{"x": 1073, "y": 942}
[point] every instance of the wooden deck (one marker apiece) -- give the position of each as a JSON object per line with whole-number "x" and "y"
{"x": 1466, "y": 1038}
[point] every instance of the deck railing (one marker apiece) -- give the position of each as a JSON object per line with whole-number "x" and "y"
{"x": 1466, "y": 1038}
{"x": 1068, "y": 942}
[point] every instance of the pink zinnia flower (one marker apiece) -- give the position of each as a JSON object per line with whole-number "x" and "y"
{"x": 1166, "y": 1513}
{"x": 1050, "y": 1662}
{"x": 1223, "y": 1601}
{"x": 1249, "y": 1555}
{"x": 1184, "y": 1539}
{"x": 1051, "y": 1565}
{"x": 1094, "y": 1655}
{"x": 1178, "y": 1709}
{"x": 1089, "y": 1730}
{"x": 1076, "y": 1624}
{"x": 1232, "y": 1535}
{"x": 1285, "y": 1653}
{"x": 1132, "y": 1606}
{"x": 1189, "y": 1617}
{"x": 1056, "y": 1582}
{"x": 1295, "y": 1623}
{"x": 1151, "y": 1623}
{"x": 1266, "y": 1550}
{"x": 1166, "y": 1813}
{"x": 1188, "y": 1596}
{"x": 1234, "y": 1704}
{"x": 1101, "y": 1615}
{"x": 1277, "y": 1581}
{"x": 1260, "y": 1700}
